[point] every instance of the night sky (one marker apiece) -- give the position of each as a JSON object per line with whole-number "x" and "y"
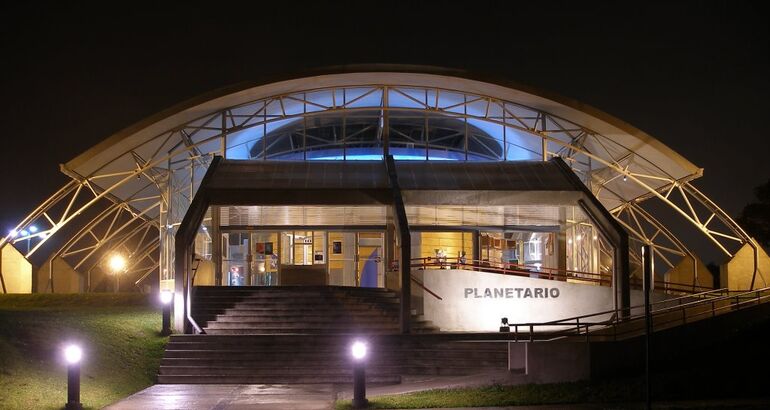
{"x": 694, "y": 75}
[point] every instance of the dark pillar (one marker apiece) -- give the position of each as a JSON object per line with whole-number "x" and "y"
{"x": 216, "y": 244}
{"x": 622, "y": 280}
{"x": 73, "y": 387}
{"x": 561, "y": 241}
{"x": 647, "y": 273}
{"x": 2, "y": 281}
{"x": 359, "y": 386}
{"x": 405, "y": 239}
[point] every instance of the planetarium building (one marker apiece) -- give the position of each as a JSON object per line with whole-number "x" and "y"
{"x": 470, "y": 198}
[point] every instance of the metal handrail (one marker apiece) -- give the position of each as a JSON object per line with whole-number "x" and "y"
{"x": 190, "y": 286}
{"x": 545, "y": 272}
{"x": 518, "y": 269}
{"x": 743, "y": 298}
{"x": 422, "y": 285}
{"x": 660, "y": 302}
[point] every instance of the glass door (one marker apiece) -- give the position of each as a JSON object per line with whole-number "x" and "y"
{"x": 264, "y": 248}
{"x": 236, "y": 259}
{"x": 370, "y": 270}
{"x": 342, "y": 259}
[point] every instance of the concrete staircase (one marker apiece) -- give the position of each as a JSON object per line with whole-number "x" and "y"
{"x": 301, "y": 359}
{"x": 299, "y": 309}
{"x": 303, "y": 334}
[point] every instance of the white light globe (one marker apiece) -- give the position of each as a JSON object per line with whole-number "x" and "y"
{"x": 117, "y": 263}
{"x": 73, "y": 354}
{"x": 166, "y": 297}
{"x": 358, "y": 350}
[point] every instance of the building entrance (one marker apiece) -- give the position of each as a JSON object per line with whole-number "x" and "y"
{"x": 303, "y": 257}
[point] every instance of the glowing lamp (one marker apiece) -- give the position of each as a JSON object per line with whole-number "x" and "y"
{"x": 166, "y": 296}
{"x": 117, "y": 263}
{"x": 73, "y": 354}
{"x": 358, "y": 350}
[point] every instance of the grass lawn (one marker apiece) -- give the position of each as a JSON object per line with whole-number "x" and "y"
{"x": 118, "y": 333}
{"x": 497, "y": 395}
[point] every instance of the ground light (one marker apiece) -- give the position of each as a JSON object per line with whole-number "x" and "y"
{"x": 73, "y": 354}
{"x": 166, "y": 297}
{"x": 117, "y": 265}
{"x": 359, "y": 350}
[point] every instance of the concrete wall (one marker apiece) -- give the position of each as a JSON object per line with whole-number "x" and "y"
{"x": 65, "y": 279}
{"x": 16, "y": 270}
{"x": 205, "y": 275}
{"x": 736, "y": 274}
{"x": 476, "y": 301}
{"x": 684, "y": 273}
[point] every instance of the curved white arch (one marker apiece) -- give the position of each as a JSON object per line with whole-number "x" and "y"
{"x": 164, "y": 156}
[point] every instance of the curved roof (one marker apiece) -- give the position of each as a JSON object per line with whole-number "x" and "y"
{"x": 613, "y": 144}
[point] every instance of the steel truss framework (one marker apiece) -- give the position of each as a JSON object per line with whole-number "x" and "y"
{"x": 146, "y": 189}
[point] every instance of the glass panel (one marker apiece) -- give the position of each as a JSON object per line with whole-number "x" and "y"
{"x": 319, "y": 248}
{"x": 265, "y": 258}
{"x": 342, "y": 259}
{"x": 363, "y": 136}
{"x": 236, "y": 259}
{"x": 371, "y": 271}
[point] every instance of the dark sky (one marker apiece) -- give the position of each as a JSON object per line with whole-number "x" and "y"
{"x": 694, "y": 75}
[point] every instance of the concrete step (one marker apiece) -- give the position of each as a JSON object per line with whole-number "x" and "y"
{"x": 276, "y": 378}
{"x": 336, "y": 354}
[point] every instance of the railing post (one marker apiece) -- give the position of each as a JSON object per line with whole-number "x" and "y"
{"x": 684, "y": 316}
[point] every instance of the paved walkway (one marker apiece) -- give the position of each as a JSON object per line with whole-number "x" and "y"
{"x": 229, "y": 397}
{"x": 322, "y": 397}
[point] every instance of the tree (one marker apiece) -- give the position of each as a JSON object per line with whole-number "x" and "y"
{"x": 755, "y": 217}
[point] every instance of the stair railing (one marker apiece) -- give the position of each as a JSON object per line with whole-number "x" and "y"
{"x": 542, "y": 272}
{"x": 579, "y": 326}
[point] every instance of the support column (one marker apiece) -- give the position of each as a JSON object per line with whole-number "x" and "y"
{"x": 216, "y": 244}
{"x": 561, "y": 240}
{"x": 405, "y": 239}
{"x": 621, "y": 281}
{"x": 2, "y": 281}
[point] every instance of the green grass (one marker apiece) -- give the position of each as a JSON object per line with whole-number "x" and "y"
{"x": 498, "y": 395}
{"x": 118, "y": 333}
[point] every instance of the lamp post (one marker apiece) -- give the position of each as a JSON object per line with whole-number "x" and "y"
{"x": 648, "y": 277}
{"x": 73, "y": 354}
{"x": 359, "y": 350}
{"x": 117, "y": 264}
{"x": 166, "y": 297}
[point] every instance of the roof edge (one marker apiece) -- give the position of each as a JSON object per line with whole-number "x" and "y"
{"x": 489, "y": 78}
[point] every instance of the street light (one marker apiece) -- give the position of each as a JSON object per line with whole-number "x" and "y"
{"x": 73, "y": 354}
{"x": 166, "y": 297}
{"x": 117, "y": 264}
{"x": 359, "y": 350}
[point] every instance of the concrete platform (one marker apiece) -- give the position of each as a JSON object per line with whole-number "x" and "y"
{"x": 229, "y": 397}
